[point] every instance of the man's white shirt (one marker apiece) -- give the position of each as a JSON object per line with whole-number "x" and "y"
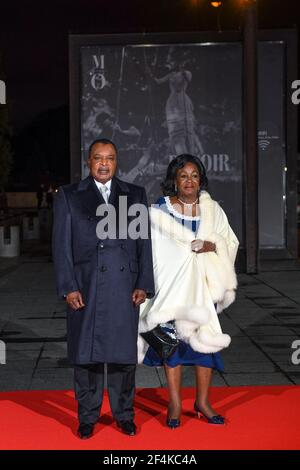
{"x": 104, "y": 188}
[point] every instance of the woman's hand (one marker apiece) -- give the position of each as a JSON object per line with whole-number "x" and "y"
{"x": 197, "y": 245}
{"x": 200, "y": 246}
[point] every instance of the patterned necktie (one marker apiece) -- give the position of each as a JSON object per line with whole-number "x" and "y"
{"x": 104, "y": 192}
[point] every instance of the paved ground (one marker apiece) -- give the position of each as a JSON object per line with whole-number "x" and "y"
{"x": 263, "y": 322}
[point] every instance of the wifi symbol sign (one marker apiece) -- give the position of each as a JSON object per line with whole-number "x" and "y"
{"x": 263, "y": 143}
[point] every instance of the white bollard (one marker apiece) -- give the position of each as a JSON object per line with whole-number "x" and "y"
{"x": 10, "y": 247}
{"x": 31, "y": 228}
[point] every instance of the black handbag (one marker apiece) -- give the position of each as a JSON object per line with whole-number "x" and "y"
{"x": 162, "y": 343}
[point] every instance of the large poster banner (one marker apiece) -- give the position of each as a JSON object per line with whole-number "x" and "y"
{"x": 159, "y": 101}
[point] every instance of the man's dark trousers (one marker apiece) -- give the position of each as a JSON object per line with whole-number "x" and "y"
{"x": 89, "y": 388}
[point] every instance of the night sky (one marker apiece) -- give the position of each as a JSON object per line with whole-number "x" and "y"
{"x": 34, "y": 38}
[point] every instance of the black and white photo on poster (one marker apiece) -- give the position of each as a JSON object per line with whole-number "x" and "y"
{"x": 158, "y": 101}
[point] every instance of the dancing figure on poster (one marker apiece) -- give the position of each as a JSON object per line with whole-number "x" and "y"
{"x": 180, "y": 110}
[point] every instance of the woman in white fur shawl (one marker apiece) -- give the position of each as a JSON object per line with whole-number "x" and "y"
{"x": 194, "y": 249}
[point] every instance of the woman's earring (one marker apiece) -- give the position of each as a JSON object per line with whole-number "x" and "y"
{"x": 175, "y": 187}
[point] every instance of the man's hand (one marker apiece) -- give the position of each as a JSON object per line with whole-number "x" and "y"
{"x": 138, "y": 297}
{"x": 74, "y": 300}
{"x": 200, "y": 246}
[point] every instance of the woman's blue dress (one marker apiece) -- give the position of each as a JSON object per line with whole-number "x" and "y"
{"x": 184, "y": 354}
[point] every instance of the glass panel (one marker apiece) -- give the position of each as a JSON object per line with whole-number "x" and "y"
{"x": 271, "y": 145}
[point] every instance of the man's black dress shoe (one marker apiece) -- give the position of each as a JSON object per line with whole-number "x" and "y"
{"x": 85, "y": 431}
{"x": 127, "y": 427}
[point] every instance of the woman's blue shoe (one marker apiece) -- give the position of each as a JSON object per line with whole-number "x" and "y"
{"x": 173, "y": 423}
{"x": 216, "y": 419}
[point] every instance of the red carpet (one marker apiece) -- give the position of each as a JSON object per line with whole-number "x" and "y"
{"x": 257, "y": 418}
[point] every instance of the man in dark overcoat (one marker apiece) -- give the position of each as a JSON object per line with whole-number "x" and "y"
{"x": 104, "y": 277}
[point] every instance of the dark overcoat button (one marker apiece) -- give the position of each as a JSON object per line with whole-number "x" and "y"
{"x": 122, "y": 268}
{"x": 103, "y": 269}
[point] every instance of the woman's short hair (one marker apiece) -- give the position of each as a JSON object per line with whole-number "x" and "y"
{"x": 168, "y": 185}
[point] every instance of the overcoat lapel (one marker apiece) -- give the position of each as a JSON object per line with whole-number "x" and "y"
{"x": 91, "y": 197}
{"x": 118, "y": 188}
